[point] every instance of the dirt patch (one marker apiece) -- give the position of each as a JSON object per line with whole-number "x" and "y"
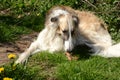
{"x": 16, "y": 47}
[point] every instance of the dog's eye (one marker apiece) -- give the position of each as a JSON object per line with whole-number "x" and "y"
{"x": 65, "y": 31}
{"x": 54, "y": 19}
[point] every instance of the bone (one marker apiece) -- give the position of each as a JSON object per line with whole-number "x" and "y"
{"x": 69, "y": 56}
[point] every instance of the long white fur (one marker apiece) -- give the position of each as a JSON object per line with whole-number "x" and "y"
{"x": 69, "y": 43}
{"x": 47, "y": 40}
{"x": 112, "y": 51}
{"x": 58, "y": 12}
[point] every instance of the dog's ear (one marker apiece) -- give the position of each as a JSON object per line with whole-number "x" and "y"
{"x": 54, "y": 19}
{"x": 75, "y": 20}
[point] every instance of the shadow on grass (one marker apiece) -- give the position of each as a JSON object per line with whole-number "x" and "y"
{"x": 82, "y": 52}
{"x": 33, "y": 22}
{"x": 11, "y": 27}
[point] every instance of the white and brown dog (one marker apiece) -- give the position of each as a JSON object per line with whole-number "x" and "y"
{"x": 66, "y": 28}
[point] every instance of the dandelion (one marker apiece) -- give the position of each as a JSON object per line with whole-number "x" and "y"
{"x": 11, "y": 56}
{"x": 6, "y": 78}
{"x": 1, "y": 69}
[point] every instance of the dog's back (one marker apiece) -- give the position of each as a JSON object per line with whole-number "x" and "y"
{"x": 94, "y": 30}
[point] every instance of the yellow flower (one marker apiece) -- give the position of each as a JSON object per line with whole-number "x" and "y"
{"x": 1, "y": 69}
{"x": 11, "y": 56}
{"x": 6, "y": 78}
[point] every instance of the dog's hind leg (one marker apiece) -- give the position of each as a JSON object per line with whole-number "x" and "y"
{"x": 24, "y": 56}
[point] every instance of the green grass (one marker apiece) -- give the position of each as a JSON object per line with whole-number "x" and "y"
{"x": 11, "y": 27}
{"x": 46, "y": 66}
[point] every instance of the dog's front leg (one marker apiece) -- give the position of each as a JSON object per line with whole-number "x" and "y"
{"x": 24, "y": 56}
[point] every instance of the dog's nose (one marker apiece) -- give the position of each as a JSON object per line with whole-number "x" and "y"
{"x": 69, "y": 51}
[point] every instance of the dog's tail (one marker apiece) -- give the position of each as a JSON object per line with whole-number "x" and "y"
{"x": 112, "y": 51}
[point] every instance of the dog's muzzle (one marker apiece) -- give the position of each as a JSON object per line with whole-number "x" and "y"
{"x": 68, "y": 46}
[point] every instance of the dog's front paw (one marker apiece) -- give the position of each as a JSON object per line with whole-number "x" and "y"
{"x": 22, "y": 59}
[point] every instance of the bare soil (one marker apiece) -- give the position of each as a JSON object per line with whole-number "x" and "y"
{"x": 16, "y": 47}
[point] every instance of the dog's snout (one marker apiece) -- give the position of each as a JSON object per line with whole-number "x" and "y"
{"x": 65, "y": 37}
{"x": 68, "y": 46}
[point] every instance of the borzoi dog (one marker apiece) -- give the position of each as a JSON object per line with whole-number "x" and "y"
{"x": 66, "y": 28}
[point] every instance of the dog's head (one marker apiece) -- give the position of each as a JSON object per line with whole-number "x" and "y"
{"x": 66, "y": 25}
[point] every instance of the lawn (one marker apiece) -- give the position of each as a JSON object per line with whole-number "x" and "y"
{"x": 46, "y": 66}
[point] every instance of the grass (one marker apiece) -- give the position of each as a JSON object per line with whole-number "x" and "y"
{"x": 11, "y": 27}
{"x": 46, "y": 66}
